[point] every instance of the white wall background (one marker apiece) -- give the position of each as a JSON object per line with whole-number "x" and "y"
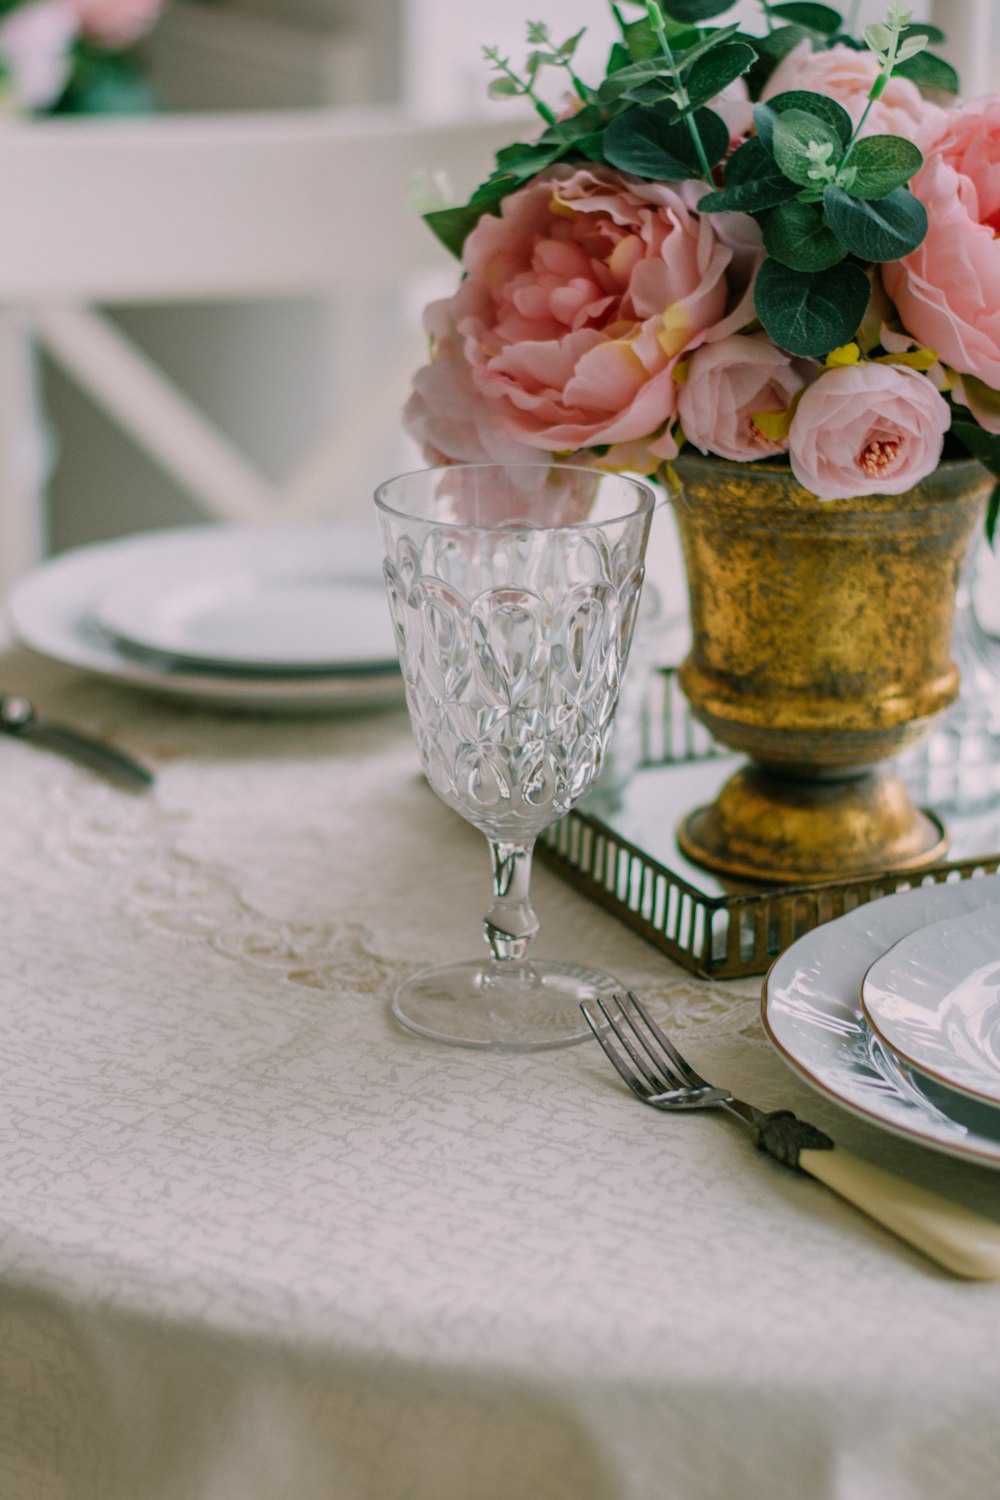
{"x": 275, "y": 376}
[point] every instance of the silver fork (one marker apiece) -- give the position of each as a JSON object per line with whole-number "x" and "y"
{"x": 962, "y": 1241}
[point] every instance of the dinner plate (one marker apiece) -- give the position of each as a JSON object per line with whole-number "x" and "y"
{"x": 934, "y": 998}
{"x": 248, "y": 598}
{"x": 812, "y": 1014}
{"x": 53, "y": 611}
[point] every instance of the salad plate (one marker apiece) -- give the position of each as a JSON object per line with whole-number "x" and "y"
{"x": 811, "y": 1009}
{"x": 256, "y": 599}
{"x": 934, "y": 999}
{"x": 55, "y": 610}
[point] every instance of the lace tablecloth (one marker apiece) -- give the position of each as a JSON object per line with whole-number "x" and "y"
{"x": 257, "y": 1241}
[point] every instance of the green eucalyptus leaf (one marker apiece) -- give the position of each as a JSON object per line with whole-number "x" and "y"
{"x": 928, "y": 71}
{"x": 581, "y": 123}
{"x": 618, "y": 83}
{"x": 715, "y": 70}
{"x": 661, "y": 91}
{"x": 985, "y": 446}
{"x": 454, "y": 225}
{"x": 779, "y": 42}
{"x": 647, "y": 144}
{"x": 503, "y": 88}
{"x": 590, "y": 146}
{"x": 821, "y": 18}
{"x": 886, "y": 229}
{"x": 524, "y": 160}
{"x": 810, "y": 313}
{"x": 924, "y": 28}
{"x": 882, "y": 163}
{"x": 748, "y": 197}
{"x": 828, "y": 110}
{"x": 753, "y": 182}
{"x": 618, "y": 58}
{"x": 795, "y": 234}
{"x": 794, "y": 133}
{"x": 693, "y": 12}
{"x": 688, "y": 48}
{"x": 981, "y": 444}
{"x": 992, "y": 512}
{"x": 641, "y": 40}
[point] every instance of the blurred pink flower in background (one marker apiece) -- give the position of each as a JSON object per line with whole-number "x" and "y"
{"x": 35, "y": 43}
{"x": 867, "y": 429}
{"x": 731, "y": 381}
{"x": 735, "y": 107}
{"x": 578, "y": 300}
{"x": 947, "y": 291}
{"x": 846, "y": 75}
{"x": 116, "y": 23}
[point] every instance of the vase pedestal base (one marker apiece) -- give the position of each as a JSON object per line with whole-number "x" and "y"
{"x": 769, "y": 825}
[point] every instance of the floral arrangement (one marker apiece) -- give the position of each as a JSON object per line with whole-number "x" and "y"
{"x": 73, "y": 56}
{"x": 755, "y": 246}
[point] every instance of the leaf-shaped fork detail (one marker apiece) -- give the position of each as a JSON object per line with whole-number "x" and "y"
{"x": 963, "y": 1242}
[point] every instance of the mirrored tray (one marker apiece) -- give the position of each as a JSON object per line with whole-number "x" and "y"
{"x": 619, "y": 848}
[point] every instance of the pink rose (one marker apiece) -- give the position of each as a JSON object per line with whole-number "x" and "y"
{"x": 727, "y": 384}
{"x": 846, "y": 76}
{"x": 116, "y": 23}
{"x": 867, "y": 429}
{"x": 35, "y": 42}
{"x": 578, "y": 301}
{"x": 947, "y": 291}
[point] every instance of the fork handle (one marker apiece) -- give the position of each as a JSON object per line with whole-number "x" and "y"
{"x": 962, "y": 1241}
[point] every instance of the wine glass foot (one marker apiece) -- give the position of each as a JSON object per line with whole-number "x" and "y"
{"x": 501, "y": 1007}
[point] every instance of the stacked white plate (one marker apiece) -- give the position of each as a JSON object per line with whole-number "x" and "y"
{"x": 271, "y": 618}
{"x": 894, "y": 1011}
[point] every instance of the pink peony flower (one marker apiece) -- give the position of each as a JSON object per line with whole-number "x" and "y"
{"x": 116, "y": 23}
{"x": 579, "y": 299}
{"x": 867, "y": 429}
{"x": 947, "y": 291}
{"x": 35, "y": 42}
{"x": 731, "y": 381}
{"x": 846, "y": 76}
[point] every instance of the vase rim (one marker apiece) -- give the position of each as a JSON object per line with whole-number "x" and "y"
{"x": 775, "y": 466}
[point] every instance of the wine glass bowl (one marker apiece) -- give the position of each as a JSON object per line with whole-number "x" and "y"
{"x": 513, "y": 591}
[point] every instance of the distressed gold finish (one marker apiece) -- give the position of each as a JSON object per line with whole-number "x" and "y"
{"x": 821, "y": 637}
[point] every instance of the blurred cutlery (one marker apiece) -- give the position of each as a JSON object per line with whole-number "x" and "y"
{"x": 17, "y": 716}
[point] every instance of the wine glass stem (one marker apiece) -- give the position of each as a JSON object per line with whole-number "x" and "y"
{"x": 511, "y": 921}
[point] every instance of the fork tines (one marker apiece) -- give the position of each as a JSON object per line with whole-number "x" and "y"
{"x": 630, "y": 1029}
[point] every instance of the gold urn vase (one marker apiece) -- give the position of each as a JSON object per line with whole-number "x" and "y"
{"x": 821, "y": 635}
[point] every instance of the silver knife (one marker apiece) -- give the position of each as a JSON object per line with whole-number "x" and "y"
{"x": 17, "y": 716}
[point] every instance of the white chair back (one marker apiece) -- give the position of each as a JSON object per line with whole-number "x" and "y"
{"x": 175, "y": 209}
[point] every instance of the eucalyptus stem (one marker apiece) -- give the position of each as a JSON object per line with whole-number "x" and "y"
{"x": 526, "y": 88}
{"x": 888, "y": 62}
{"x": 579, "y": 87}
{"x": 768, "y": 17}
{"x": 656, "y": 18}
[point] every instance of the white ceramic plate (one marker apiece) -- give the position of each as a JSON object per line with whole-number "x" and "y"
{"x": 934, "y": 998}
{"x": 812, "y": 1014}
{"x": 250, "y": 598}
{"x": 52, "y": 610}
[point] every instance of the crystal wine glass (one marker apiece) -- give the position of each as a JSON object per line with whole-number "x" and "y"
{"x": 513, "y": 590}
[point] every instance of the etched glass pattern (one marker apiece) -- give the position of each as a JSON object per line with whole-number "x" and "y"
{"x": 513, "y": 634}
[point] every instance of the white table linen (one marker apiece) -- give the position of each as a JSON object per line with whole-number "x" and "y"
{"x": 256, "y": 1241}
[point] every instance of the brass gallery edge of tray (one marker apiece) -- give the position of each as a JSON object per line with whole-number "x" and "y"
{"x": 716, "y": 937}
